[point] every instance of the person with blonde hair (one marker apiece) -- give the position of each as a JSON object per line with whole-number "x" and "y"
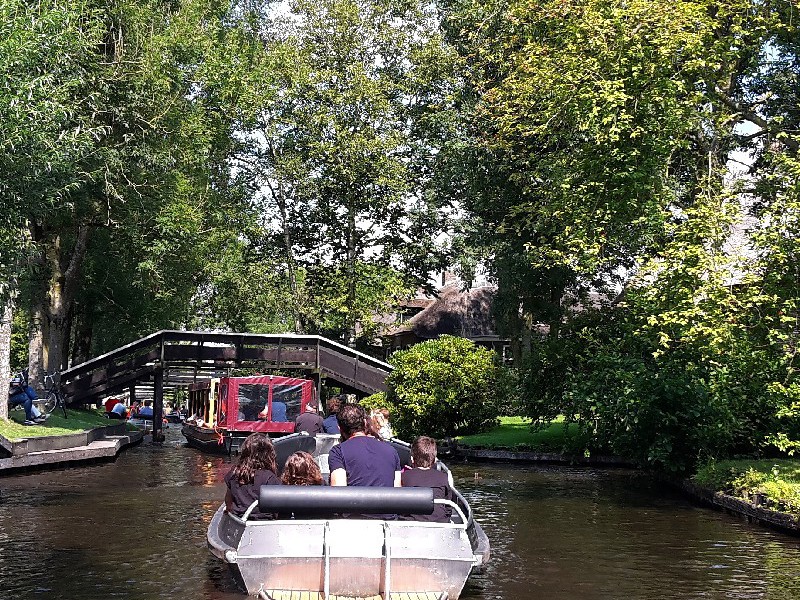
{"x": 380, "y": 420}
{"x": 301, "y": 469}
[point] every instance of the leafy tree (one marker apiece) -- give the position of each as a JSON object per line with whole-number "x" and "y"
{"x": 120, "y": 246}
{"x": 41, "y": 70}
{"x": 617, "y": 168}
{"x": 444, "y": 387}
{"x": 332, "y": 147}
{"x": 573, "y": 123}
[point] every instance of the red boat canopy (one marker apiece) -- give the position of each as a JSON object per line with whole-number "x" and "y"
{"x": 263, "y": 403}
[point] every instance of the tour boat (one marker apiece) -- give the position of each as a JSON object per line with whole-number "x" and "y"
{"x": 222, "y": 412}
{"x": 320, "y": 555}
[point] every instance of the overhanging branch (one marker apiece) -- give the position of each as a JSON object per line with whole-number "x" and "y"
{"x": 780, "y": 134}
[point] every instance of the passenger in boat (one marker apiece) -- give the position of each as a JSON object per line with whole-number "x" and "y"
{"x": 309, "y": 421}
{"x": 380, "y": 420}
{"x": 147, "y": 409}
{"x": 361, "y": 460}
{"x": 278, "y": 412}
{"x": 110, "y": 404}
{"x": 423, "y": 474}
{"x": 329, "y": 423}
{"x": 119, "y": 411}
{"x": 301, "y": 469}
{"x": 256, "y": 467}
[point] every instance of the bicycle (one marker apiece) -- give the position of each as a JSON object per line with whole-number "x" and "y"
{"x": 53, "y": 397}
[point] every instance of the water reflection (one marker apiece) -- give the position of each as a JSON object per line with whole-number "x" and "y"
{"x": 135, "y": 529}
{"x": 579, "y": 533}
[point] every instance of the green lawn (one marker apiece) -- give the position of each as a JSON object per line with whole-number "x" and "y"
{"x": 774, "y": 483}
{"x": 515, "y": 433}
{"x": 77, "y": 420}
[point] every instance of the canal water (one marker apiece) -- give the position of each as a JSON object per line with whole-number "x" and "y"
{"x": 135, "y": 529}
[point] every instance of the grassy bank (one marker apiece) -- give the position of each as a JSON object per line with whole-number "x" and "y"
{"x": 773, "y": 483}
{"x": 515, "y": 433}
{"x": 77, "y": 420}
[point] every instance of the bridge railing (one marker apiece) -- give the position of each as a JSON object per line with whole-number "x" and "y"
{"x": 196, "y": 352}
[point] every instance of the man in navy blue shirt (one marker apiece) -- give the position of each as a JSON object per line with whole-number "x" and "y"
{"x": 362, "y": 460}
{"x": 329, "y": 423}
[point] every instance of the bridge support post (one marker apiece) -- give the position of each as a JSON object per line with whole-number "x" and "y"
{"x": 158, "y": 405}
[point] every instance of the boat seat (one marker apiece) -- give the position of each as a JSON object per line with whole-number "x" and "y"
{"x": 286, "y": 446}
{"x": 403, "y": 451}
{"x": 322, "y": 501}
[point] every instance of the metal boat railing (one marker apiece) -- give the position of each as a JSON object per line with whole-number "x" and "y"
{"x": 465, "y": 518}
{"x": 469, "y": 522}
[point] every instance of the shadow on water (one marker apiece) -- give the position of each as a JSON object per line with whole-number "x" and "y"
{"x": 135, "y": 529}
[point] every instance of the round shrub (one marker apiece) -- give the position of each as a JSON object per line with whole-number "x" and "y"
{"x": 443, "y": 387}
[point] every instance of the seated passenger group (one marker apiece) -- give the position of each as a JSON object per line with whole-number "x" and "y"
{"x": 362, "y": 459}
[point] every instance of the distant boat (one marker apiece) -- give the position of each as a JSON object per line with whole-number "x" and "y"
{"x": 222, "y": 412}
{"x": 144, "y": 423}
{"x": 321, "y": 555}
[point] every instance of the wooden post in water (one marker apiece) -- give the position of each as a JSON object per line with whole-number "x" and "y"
{"x": 158, "y": 405}
{"x": 317, "y": 379}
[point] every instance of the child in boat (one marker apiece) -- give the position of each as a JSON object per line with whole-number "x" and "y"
{"x": 256, "y": 467}
{"x": 423, "y": 459}
{"x": 301, "y": 469}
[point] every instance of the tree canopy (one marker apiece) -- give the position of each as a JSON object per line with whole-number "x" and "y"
{"x": 626, "y": 173}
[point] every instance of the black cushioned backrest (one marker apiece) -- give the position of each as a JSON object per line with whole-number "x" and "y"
{"x": 403, "y": 451}
{"x": 320, "y": 500}
{"x": 286, "y": 446}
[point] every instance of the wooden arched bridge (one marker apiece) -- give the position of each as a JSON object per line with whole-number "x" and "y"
{"x": 168, "y": 360}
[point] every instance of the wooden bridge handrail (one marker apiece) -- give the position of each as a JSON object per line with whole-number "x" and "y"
{"x": 150, "y": 348}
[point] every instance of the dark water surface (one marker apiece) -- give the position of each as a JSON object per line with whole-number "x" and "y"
{"x": 135, "y": 529}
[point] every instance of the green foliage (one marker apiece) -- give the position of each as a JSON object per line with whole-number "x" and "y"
{"x": 777, "y": 482}
{"x": 616, "y": 175}
{"x": 374, "y": 401}
{"x": 330, "y": 99}
{"x": 443, "y": 387}
{"x": 19, "y": 343}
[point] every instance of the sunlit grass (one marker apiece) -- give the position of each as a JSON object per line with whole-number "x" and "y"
{"x": 516, "y": 433}
{"x": 775, "y": 483}
{"x": 77, "y": 420}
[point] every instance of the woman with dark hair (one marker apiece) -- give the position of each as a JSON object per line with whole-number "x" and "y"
{"x": 301, "y": 469}
{"x": 256, "y": 467}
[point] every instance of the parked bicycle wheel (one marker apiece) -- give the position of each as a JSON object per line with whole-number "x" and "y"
{"x": 50, "y": 403}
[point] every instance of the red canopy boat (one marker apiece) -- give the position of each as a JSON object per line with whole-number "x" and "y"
{"x": 222, "y": 412}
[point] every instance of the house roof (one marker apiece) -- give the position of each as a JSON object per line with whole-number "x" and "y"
{"x": 466, "y": 313}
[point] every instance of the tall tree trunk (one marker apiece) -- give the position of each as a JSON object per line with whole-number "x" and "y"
{"x": 63, "y": 287}
{"x": 351, "y": 277}
{"x": 5, "y": 352}
{"x": 36, "y": 337}
{"x": 82, "y": 344}
{"x": 37, "y": 332}
{"x": 280, "y": 198}
{"x": 525, "y": 342}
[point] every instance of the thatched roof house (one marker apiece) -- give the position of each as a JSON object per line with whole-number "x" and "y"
{"x": 465, "y": 313}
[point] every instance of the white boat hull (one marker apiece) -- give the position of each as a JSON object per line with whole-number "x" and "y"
{"x": 291, "y": 555}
